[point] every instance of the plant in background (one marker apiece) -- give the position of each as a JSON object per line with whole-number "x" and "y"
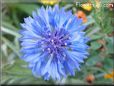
{"x": 53, "y": 43}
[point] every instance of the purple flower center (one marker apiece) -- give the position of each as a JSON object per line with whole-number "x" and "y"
{"x": 56, "y": 40}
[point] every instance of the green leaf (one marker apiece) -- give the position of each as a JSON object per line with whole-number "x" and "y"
{"x": 92, "y": 60}
{"x": 108, "y": 64}
{"x": 90, "y": 20}
{"x": 67, "y": 6}
{"x": 27, "y": 8}
{"x": 4, "y": 49}
{"x": 95, "y": 45}
{"x": 110, "y": 49}
{"x": 96, "y": 36}
{"x": 9, "y": 31}
{"x": 9, "y": 26}
{"x": 74, "y": 81}
{"x": 11, "y": 46}
{"x": 110, "y": 45}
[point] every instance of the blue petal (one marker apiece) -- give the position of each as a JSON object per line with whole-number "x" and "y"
{"x": 61, "y": 69}
{"x": 68, "y": 68}
{"x": 47, "y": 67}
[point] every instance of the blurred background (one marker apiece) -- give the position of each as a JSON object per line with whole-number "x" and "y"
{"x": 98, "y": 15}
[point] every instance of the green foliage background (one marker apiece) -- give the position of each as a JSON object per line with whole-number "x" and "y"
{"x": 100, "y": 27}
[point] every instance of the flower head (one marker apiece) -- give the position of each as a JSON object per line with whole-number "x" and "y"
{"x": 53, "y": 43}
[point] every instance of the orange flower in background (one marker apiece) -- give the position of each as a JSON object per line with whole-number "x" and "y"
{"x": 90, "y": 78}
{"x": 81, "y": 14}
{"x": 109, "y": 76}
{"x": 87, "y": 6}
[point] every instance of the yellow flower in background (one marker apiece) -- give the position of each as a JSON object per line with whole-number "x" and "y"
{"x": 109, "y": 76}
{"x": 87, "y": 6}
{"x": 49, "y": 2}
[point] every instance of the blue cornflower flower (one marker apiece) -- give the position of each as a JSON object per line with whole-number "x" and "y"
{"x": 53, "y": 43}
